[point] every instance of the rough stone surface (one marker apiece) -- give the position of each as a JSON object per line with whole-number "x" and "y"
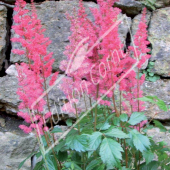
{"x": 3, "y": 32}
{"x": 14, "y": 149}
{"x": 124, "y": 27}
{"x": 161, "y": 89}
{"x": 159, "y": 136}
{"x": 159, "y": 36}
{"x": 162, "y": 3}
{"x": 130, "y": 7}
{"x": 11, "y": 71}
{"x": 8, "y": 96}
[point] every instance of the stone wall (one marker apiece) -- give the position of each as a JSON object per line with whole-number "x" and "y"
{"x": 52, "y": 15}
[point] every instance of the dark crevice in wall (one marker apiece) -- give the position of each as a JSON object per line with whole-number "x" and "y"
{"x": 164, "y": 78}
{"x": 6, "y": 62}
{"x": 127, "y": 41}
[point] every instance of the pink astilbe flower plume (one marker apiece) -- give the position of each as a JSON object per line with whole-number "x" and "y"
{"x": 103, "y": 61}
{"x": 32, "y": 76}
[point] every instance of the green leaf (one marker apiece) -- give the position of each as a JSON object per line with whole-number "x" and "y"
{"x": 103, "y": 126}
{"x": 140, "y": 141}
{"x": 151, "y": 63}
{"x": 123, "y": 117}
{"x": 77, "y": 142}
{"x": 39, "y": 165}
{"x": 160, "y": 126}
{"x": 116, "y": 133}
{"x": 116, "y": 121}
{"x": 151, "y": 166}
{"x": 59, "y": 146}
{"x": 101, "y": 167}
{"x": 95, "y": 140}
{"x": 76, "y": 157}
{"x": 69, "y": 122}
{"x": 151, "y": 74}
{"x": 153, "y": 79}
{"x": 44, "y": 141}
{"x": 149, "y": 99}
{"x": 136, "y": 118}
{"x": 93, "y": 164}
{"x": 72, "y": 165}
{"x": 62, "y": 156}
{"x": 161, "y": 104}
{"x": 56, "y": 130}
{"x": 51, "y": 163}
{"x": 148, "y": 155}
{"x": 110, "y": 152}
{"x": 22, "y": 163}
{"x": 124, "y": 168}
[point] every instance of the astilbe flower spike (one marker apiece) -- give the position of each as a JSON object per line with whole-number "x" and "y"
{"x": 32, "y": 76}
{"x": 103, "y": 63}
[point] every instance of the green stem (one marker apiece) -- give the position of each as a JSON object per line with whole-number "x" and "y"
{"x": 95, "y": 120}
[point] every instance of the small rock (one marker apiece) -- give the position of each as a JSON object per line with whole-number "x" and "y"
{"x": 2, "y": 122}
{"x": 12, "y": 71}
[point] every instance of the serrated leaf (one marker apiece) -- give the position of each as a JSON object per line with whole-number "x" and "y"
{"x": 51, "y": 163}
{"x": 161, "y": 104}
{"x": 160, "y": 126}
{"x": 69, "y": 122}
{"x": 116, "y": 133}
{"x": 72, "y": 165}
{"x": 140, "y": 141}
{"x": 95, "y": 140}
{"x": 151, "y": 166}
{"x": 148, "y": 155}
{"x": 123, "y": 117}
{"x": 101, "y": 167}
{"x": 56, "y": 130}
{"x": 136, "y": 118}
{"x": 110, "y": 152}
{"x": 124, "y": 168}
{"x": 77, "y": 142}
{"x": 103, "y": 126}
{"x": 116, "y": 121}
{"x": 93, "y": 164}
{"x": 62, "y": 156}
{"x": 59, "y": 146}
{"x": 147, "y": 99}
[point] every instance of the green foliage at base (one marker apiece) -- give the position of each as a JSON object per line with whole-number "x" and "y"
{"x": 114, "y": 145}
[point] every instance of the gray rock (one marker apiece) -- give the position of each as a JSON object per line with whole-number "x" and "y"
{"x": 3, "y": 33}
{"x": 14, "y": 149}
{"x": 124, "y": 27}
{"x": 8, "y": 96}
{"x": 11, "y": 71}
{"x": 159, "y": 36}
{"x": 162, "y": 3}
{"x": 159, "y": 136}
{"x": 161, "y": 89}
{"x": 130, "y": 7}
